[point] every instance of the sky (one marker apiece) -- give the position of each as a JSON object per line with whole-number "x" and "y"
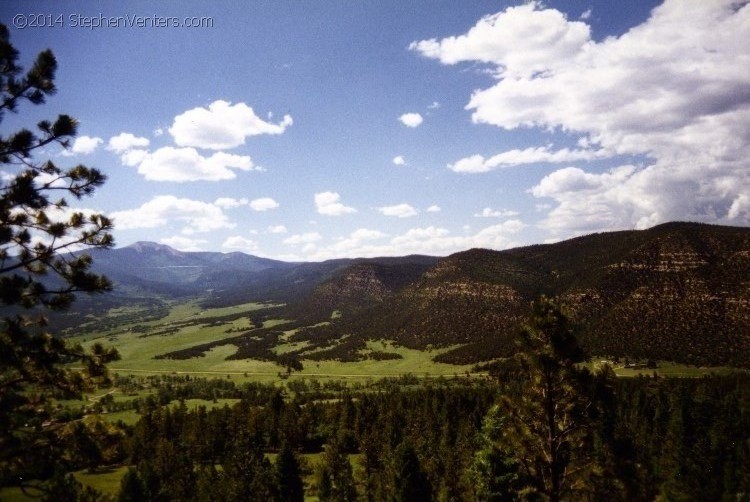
{"x": 309, "y": 130}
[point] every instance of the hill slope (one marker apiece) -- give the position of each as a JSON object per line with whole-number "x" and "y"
{"x": 679, "y": 291}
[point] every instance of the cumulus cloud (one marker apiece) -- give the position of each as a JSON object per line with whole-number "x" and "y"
{"x": 84, "y": 145}
{"x": 161, "y": 211}
{"x": 488, "y": 212}
{"x": 132, "y": 158}
{"x": 186, "y": 164}
{"x": 239, "y": 243}
{"x": 306, "y": 238}
{"x": 327, "y": 203}
{"x": 521, "y": 40}
{"x": 126, "y": 141}
{"x": 354, "y": 242}
{"x": 424, "y": 240}
{"x": 277, "y": 229}
{"x": 479, "y": 164}
{"x": 182, "y": 243}
{"x": 411, "y": 119}
{"x": 230, "y": 202}
{"x": 222, "y": 125}
{"x": 433, "y": 209}
{"x": 399, "y": 160}
{"x": 399, "y": 210}
{"x": 263, "y": 204}
{"x": 673, "y": 91}
{"x": 587, "y": 202}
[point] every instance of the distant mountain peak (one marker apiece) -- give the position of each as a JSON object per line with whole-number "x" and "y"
{"x": 148, "y": 246}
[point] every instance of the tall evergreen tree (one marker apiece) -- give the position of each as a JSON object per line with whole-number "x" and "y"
{"x": 132, "y": 488}
{"x": 409, "y": 480}
{"x": 336, "y": 473}
{"x": 37, "y": 232}
{"x": 494, "y": 470}
{"x": 551, "y": 410}
{"x": 289, "y": 476}
{"x": 250, "y": 474}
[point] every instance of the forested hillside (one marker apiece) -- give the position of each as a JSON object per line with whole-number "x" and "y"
{"x": 679, "y": 291}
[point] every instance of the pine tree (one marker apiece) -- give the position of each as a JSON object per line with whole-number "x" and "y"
{"x": 551, "y": 410}
{"x": 289, "y": 476}
{"x": 410, "y": 482}
{"x": 494, "y": 470}
{"x": 250, "y": 474}
{"x": 38, "y": 270}
{"x": 131, "y": 487}
{"x": 336, "y": 472}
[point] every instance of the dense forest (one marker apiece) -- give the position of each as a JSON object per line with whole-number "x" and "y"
{"x": 673, "y": 439}
{"x": 542, "y": 427}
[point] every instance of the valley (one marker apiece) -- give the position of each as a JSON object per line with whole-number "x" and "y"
{"x": 187, "y": 326}
{"x": 337, "y": 356}
{"x": 677, "y": 292}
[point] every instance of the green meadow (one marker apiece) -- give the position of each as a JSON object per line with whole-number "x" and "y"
{"x": 187, "y": 325}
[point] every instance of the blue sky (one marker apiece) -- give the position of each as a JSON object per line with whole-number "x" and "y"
{"x": 313, "y": 130}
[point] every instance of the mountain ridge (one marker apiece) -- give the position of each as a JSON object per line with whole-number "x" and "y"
{"x": 678, "y": 291}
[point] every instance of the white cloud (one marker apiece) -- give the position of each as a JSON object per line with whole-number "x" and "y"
{"x": 399, "y": 160}
{"x": 589, "y": 202}
{"x": 222, "y": 126}
{"x": 521, "y": 40}
{"x": 263, "y": 204}
{"x": 182, "y": 243}
{"x": 399, "y": 210}
{"x": 433, "y": 209}
{"x": 327, "y": 203}
{"x": 411, "y": 119}
{"x": 230, "y": 202}
{"x": 83, "y": 145}
{"x": 186, "y": 164}
{"x": 478, "y": 164}
{"x": 132, "y": 158}
{"x": 161, "y": 211}
{"x": 434, "y": 106}
{"x": 417, "y": 235}
{"x": 277, "y": 229}
{"x": 306, "y": 238}
{"x": 673, "y": 90}
{"x": 355, "y": 241}
{"x": 126, "y": 141}
{"x": 585, "y": 14}
{"x": 239, "y": 243}
{"x": 488, "y": 212}
{"x": 427, "y": 240}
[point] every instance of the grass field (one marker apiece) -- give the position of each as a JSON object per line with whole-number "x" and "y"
{"x": 187, "y": 325}
{"x": 139, "y": 342}
{"x": 663, "y": 368}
